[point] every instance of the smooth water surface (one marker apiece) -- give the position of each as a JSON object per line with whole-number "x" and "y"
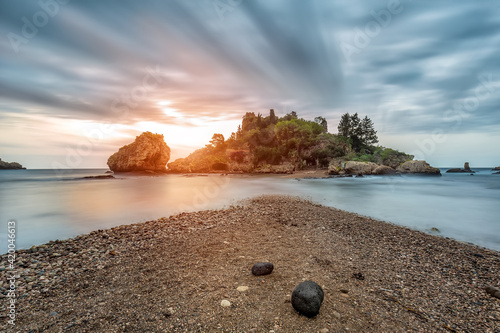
{"x": 49, "y": 206}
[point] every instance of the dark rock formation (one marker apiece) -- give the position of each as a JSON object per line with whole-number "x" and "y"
{"x": 307, "y": 298}
{"x": 10, "y": 166}
{"x": 99, "y": 177}
{"x": 418, "y": 167}
{"x": 262, "y": 268}
{"x": 148, "y": 152}
{"x": 466, "y": 169}
{"x": 496, "y": 168}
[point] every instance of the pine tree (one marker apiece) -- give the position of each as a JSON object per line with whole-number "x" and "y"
{"x": 360, "y": 133}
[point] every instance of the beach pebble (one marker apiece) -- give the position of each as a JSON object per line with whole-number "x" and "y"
{"x": 225, "y": 303}
{"x": 307, "y": 298}
{"x": 262, "y": 268}
{"x": 242, "y": 288}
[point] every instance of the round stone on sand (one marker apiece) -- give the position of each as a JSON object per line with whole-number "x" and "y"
{"x": 225, "y": 303}
{"x": 307, "y": 298}
{"x": 262, "y": 268}
{"x": 242, "y": 288}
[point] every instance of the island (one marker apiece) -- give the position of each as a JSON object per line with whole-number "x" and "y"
{"x": 148, "y": 153}
{"x": 10, "y": 166}
{"x": 289, "y": 144}
{"x": 466, "y": 169}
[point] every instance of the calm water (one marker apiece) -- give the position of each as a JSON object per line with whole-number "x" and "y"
{"x": 47, "y": 206}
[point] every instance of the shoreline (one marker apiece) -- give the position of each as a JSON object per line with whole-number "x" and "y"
{"x": 173, "y": 273}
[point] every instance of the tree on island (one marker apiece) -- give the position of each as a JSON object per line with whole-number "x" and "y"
{"x": 217, "y": 142}
{"x": 360, "y": 132}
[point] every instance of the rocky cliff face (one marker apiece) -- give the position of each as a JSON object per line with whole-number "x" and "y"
{"x": 10, "y": 165}
{"x": 148, "y": 152}
{"x": 364, "y": 168}
{"x": 419, "y": 167}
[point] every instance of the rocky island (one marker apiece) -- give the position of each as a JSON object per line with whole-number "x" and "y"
{"x": 10, "y": 165}
{"x": 291, "y": 145}
{"x": 466, "y": 169}
{"x": 148, "y": 153}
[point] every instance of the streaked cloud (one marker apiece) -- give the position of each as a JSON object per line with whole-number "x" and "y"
{"x": 112, "y": 62}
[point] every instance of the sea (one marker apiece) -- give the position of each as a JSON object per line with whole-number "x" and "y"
{"x": 46, "y": 205}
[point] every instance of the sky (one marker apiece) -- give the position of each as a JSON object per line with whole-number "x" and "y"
{"x": 79, "y": 79}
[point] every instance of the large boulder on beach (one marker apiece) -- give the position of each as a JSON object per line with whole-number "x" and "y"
{"x": 10, "y": 165}
{"x": 148, "y": 152}
{"x": 356, "y": 168}
{"x": 307, "y": 298}
{"x": 384, "y": 170}
{"x": 418, "y": 167}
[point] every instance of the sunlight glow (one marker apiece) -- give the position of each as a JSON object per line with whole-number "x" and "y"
{"x": 171, "y": 112}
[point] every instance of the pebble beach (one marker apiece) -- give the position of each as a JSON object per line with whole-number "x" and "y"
{"x": 192, "y": 273}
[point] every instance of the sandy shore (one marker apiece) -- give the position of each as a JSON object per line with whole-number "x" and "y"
{"x": 171, "y": 274}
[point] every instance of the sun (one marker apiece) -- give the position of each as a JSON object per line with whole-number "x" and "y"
{"x": 164, "y": 103}
{"x": 168, "y": 111}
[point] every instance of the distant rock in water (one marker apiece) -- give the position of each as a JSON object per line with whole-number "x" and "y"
{"x": 148, "y": 152}
{"x": 99, "y": 177}
{"x": 10, "y": 166}
{"x": 418, "y": 167}
{"x": 496, "y": 168}
{"x": 466, "y": 169}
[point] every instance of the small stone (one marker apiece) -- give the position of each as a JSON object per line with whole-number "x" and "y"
{"x": 262, "y": 268}
{"x": 307, "y": 298}
{"x": 242, "y": 288}
{"x": 225, "y": 303}
{"x": 336, "y": 314}
{"x": 53, "y": 313}
{"x": 323, "y": 330}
